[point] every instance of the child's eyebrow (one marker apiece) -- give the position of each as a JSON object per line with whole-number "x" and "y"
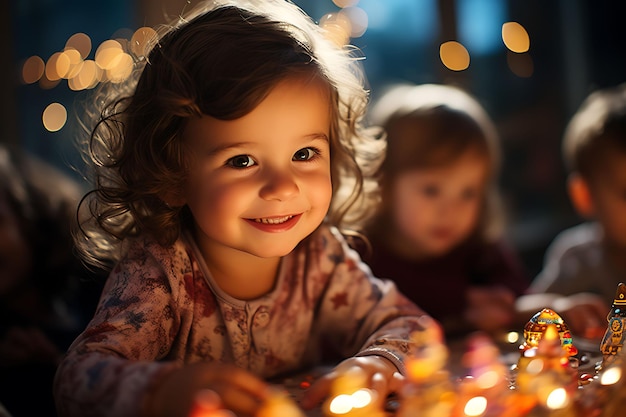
{"x": 222, "y": 148}
{"x": 317, "y": 136}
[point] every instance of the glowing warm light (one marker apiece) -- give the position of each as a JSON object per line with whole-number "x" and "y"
{"x": 337, "y": 27}
{"x": 515, "y": 37}
{"x": 75, "y": 60}
{"x": 611, "y": 376}
{"x": 87, "y": 77}
{"x": 57, "y": 63}
{"x": 488, "y": 379}
{"x": 54, "y": 117}
{"x": 358, "y": 20}
{"x": 344, "y": 403}
{"x": 558, "y": 398}
{"x": 475, "y": 406}
{"x": 535, "y": 366}
{"x": 345, "y": 3}
{"x": 512, "y": 337}
{"x": 341, "y": 404}
{"x": 120, "y": 68}
{"x": 361, "y": 398}
{"x": 454, "y": 56}
{"x": 142, "y": 40}
{"x": 520, "y": 64}
{"x": 81, "y": 43}
{"x": 33, "y": 69}
{"x": 108, "y": 53}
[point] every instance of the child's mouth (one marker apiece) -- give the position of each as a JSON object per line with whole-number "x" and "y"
{"x": 273, "y": 220}
{"x": 275, "y": 224}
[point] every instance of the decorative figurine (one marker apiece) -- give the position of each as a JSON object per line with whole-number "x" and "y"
{"x": 613, "y": 339}
{"x": 545, "y": 380}
{"x": 537, "y": 326}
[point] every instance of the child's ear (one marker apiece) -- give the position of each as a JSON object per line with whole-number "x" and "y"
{"x": 580, "y": 195}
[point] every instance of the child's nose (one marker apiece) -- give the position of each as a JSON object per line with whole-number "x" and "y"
{"x": 280, "y": 186}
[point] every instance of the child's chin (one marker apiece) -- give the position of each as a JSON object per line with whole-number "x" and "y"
{"x": 273, "y": 252}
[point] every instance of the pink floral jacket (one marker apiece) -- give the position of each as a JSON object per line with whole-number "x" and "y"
{"x": 161, "y": 309}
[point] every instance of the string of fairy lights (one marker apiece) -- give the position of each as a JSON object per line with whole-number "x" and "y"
{"x": 113, "y": 59}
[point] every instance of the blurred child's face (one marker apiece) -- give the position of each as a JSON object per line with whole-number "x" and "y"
{"x": 608, "y": 192}
{"x": 261, "y": 183}
{"x": 435, "y": 209}
{"x": 15, "y": 254}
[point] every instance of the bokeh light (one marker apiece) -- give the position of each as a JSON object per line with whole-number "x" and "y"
{"x": 57, "y": 66}
{"x": 454, "y": 56}
{"x": 54, "y": 117}
{"x": 108, "y": 53}
{"x": 142, "y": 40}
{"x": 75, "y": 62}
{"x": 611, "y": 376}
{"x": 475, "y": 406}
{"x": 512, "y": 337}
{"x": 337, "y": 27}
{"x": 358, "y": 20}
{"x": 515, "y": 37}
{"x": 488, "y": 380}
{"x": 557, "y": 399}
{"x": 120, "y": 68}
{"x": 81, "y": 43}
{"x": 88, "y": 76}
{"x": 32, "y": 69}
{"x": 341, "y": 404}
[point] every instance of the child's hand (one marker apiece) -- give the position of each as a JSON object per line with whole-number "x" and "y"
{"x": 584, "y": 313}
{"x": 181, "y": 391}
{"x": 378, "y": 373}
{"x": 490, "y": 308}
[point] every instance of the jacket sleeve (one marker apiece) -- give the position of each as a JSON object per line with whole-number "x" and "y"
{"x": 364, "y": 315}
{"x": 116, "y": 359}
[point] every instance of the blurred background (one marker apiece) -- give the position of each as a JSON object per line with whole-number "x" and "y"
{"x": 529, "y": 62}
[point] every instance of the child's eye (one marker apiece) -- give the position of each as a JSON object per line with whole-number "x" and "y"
{"x": 240, "y": 161}
{"x": 305, "y": 154}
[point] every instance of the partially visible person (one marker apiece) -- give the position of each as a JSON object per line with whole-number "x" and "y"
{"x": 585, "y": 263}
{"x": 45, "y": 298}
{"x": 438, "y": 233}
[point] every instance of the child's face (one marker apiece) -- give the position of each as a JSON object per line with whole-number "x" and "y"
{"x": 608, "y": 192}
{"x": 434, "y": 209}
{"x": 261, "y": 183}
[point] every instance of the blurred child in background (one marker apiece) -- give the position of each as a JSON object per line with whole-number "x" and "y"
{"x": 45, "y": 299}
{"x": 584, "y": 264}
{"x": 438, "y": 233}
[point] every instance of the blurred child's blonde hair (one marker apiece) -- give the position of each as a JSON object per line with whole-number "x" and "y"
{"x": 431, "y": 125}
{"x": 221, "y": 60}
